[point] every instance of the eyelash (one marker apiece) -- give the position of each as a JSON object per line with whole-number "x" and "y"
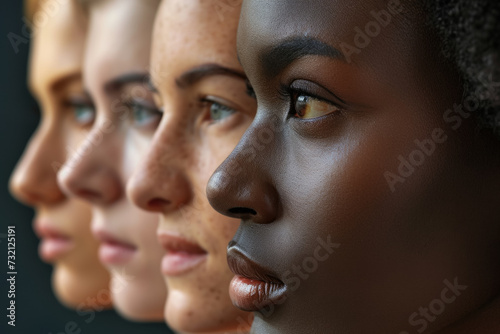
{"x": 250, "y": 90}
{"x": 289, "y": 94}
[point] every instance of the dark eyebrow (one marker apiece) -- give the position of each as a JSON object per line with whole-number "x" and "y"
{"x": 280, "y": 56}
{"x": 198, "y": 73}
{"x": 118, "y": 82}
{"x": 64, "y": 81}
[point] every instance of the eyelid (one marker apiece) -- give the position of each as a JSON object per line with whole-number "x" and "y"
{"x": 304, "y": 87}
{"x": 81, "y": 101}
{"x": 138, "y": 102}
{"x": 250, "y": 91}
{"x": 221, "y": 101}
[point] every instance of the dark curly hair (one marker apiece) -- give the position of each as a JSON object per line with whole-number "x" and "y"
{"x": 470, "y": 35}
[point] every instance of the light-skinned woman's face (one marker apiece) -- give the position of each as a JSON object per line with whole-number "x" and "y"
{"x": 63, "y": 224}
{"x": 329, "y": 241}
{"x": 201, "y": 89}
{"x": 115, "y": 73}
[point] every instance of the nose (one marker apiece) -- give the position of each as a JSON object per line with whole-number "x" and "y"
{"x": 92, "y": 172}
{"x": 241, "y": 187}
{"x": 34, "y": 180}
{"x": 159, "y": 184}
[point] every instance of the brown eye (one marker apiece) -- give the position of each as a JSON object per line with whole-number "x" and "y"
{"x": 308, "y": 107}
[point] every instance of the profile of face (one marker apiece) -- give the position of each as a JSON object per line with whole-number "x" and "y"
{"x": 201, "y": 89}
{"x": 115, "y": 73}
{"x": 62, "y": 223}
{"x": 364, "y": 190}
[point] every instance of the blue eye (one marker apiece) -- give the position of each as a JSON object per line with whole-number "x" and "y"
{"x": 143, "y": 115}
{"x": 84, "y": 114}
{"x": 219, "y": 111}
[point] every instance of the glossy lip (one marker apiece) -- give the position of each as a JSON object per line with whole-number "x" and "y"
{"x": 112, "y": 250}
{"x": 182, "y": 255}
{"x": 253, "y": 287}
{"x": 54, "y": 244}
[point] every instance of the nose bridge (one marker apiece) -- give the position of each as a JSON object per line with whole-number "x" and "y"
{"x": 171, "y": 141}
{"x": 92, "y": 170}
{"x": 242, "y": 187}
{"x": 34, "y": 179}
{"x": 161, "y": 183}
{"x": 45, "y": 150}
{"x": 256, "y": 148}
{"x": 95, "y": 150}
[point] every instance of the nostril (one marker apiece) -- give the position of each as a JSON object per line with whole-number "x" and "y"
{"x": 157, "y": 204}
{"x": 242, "y": 211}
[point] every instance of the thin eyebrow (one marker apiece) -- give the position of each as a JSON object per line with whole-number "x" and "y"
{"x": 198, "y": 73}
{"x": 118, "y": 82}
{"x": 282, "y": 55}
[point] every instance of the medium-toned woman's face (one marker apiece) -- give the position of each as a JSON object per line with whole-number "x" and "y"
{"x": 116, "y": 65}
{"x": 329, "y": 239}
{"x": 63, "y": 224}
{"x": 201, "y": 89}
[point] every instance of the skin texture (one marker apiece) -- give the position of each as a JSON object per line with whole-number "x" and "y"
{"x": 188, "y": 145}
{"x": 120, "y": 134}
{"x": 55, "y": 81}
{"x": 324, "y": 177}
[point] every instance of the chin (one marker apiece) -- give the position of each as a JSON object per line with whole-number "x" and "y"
{"x": 189, "y": 313}
{"x": 76, "y": 291}
{"x": 133, "y": 302}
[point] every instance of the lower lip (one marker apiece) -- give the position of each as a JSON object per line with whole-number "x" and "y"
{"x": 53, "y": 248}
{"x": 253, "y": 295}
{"x": 111, "y": 253}
{"x": 178, "y": 263}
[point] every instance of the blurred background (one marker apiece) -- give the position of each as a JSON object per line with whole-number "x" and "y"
{"x": 37, "y": 310}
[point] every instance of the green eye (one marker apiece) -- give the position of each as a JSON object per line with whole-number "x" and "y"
{"x": 84, "y": 114}
{"x": 143, "y": 115}
{"x": 219, "y": 111}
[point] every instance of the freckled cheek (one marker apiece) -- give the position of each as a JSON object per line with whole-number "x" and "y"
{"x": 218, "y": 230}
{"x": 208, "y": 159}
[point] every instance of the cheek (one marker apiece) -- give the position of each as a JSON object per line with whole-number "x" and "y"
{"x": 144, "y": 228}
{"x": 343, "y": 184}
{"x": 216, "y": 231}
{"x": 135, "y": 148}
{"x": 223, "y": 227}
{"x": 211, "y": 152}
{"x": 78, "y": 217}
{"x": 72, "y": 139}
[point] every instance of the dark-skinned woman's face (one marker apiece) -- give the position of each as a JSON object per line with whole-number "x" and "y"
{"x": 363, "y": 188}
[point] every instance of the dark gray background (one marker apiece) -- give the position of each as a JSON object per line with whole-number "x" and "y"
{"x": 37, "y": 310}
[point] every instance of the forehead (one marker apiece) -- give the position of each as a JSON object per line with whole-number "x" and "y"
{"x": 189, "y": 33}
{"x": 58, "y": 45}
{"x": 367, "y": 31}
{"x": 119, "y": 38}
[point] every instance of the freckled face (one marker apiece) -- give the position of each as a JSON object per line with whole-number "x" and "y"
{"x": 310, "y": 171}
{"x": 201, "y": 90}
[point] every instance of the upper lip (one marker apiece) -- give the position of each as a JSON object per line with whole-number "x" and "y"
{"x": 106, "y": 237}
{"x": 43, "y": 230}
{"x": 175, "y": 243}
{"x": 241, "y": 265}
